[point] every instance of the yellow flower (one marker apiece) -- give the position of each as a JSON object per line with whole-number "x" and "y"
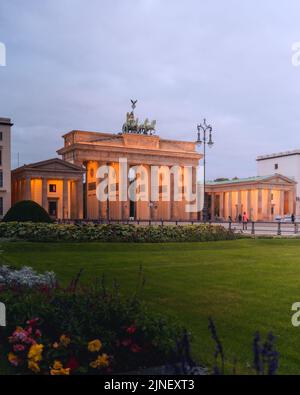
{"x": 54, "y": 372}
{"x": 65, "y": 340}
{"x": 58, "y": 369}
{"x": 102, "y": 361}
{"x": 13, "y": 359}
{"x": 57, "y": 365}
{"x": 35, "y": 352}
{"x": 95, "y": 345}
{"x": 94, "y": 364}
{"x": 65, "y": 372}
{"x": 60, "y": 372}
{"x": 33, "y": 366}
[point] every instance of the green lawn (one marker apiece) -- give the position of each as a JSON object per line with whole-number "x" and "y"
{"x": 245, "y": 285}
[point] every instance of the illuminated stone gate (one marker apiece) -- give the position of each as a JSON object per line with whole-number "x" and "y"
{"x": 139, "y": 146}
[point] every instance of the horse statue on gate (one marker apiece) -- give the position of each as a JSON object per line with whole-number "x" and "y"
{"x": 132, "y": 125}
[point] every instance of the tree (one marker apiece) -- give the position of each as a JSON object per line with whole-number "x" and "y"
{"x": 25, "y": 211}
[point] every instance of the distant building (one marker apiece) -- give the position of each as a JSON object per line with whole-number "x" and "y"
{"x": 5, "y": 165}
{"x": 262, "y": 198}
{"x": 286, "y": 163}
{"x": 54, "y": 184}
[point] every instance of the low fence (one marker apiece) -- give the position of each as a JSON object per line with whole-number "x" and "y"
{"x": 266, "y": 228}
{"x": 253, "y": 228}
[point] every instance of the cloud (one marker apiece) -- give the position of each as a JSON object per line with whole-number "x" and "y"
{"x": 76, "y": 64}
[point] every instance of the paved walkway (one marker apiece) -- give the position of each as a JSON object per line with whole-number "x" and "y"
{"x": 253, "y": 228}
{"x": 267, "y": 228}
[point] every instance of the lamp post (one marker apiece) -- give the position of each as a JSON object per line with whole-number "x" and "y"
{"x": 205, "y": 129}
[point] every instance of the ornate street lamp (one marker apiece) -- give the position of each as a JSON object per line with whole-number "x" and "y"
{"x": 205, "y": 129}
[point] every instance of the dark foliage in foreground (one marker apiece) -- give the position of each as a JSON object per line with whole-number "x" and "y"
{"x": 265, "y": 355}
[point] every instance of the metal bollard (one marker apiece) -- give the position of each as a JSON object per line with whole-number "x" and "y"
{"x": 296, "y": 228}
{"x": 253, "y": 228}
{"x": 279, "y": 229}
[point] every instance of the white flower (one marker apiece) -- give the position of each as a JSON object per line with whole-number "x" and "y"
{"x": 26, "y": 276}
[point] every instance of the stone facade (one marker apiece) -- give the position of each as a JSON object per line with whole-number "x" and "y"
{"x": 262, "y": 198}
{"x": 94, "y": 149}
{"x": 286, "y": 163}
{"x": 54, "y": 184}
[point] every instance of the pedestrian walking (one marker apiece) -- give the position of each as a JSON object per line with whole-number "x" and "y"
{"x": 245, "y": 221}
{"x": 293, "y": 218}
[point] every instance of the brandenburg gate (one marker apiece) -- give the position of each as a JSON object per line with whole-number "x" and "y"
{"x": 139, "y": 146}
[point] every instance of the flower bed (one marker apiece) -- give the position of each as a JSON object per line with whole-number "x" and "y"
{"x": 26, "y": 277}
{"x": 114, "y": 233}
{"x": 76, "y": 330}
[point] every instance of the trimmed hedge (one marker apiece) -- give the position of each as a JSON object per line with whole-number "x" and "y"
{"x": 25, "y": 211}
{"x": 114, "y": 233}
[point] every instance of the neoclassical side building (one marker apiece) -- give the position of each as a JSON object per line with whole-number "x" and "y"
{"x": 55, "y": 184}
{"x": 262, "y": 197}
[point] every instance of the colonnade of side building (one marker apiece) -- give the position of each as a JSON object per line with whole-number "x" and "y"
{"x": 276, "y": 196}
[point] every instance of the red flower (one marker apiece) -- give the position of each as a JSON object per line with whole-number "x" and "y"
{"x": 72, "y": 363}
{"x": 135, "y": 348}
{"x": 126, "y": 342}
{"x": 131, "y": 329}
{"x": 32, "y": 322}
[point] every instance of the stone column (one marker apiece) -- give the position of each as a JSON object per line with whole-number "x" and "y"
{"x": 259, "y": 204}
{"x": 239, "y": 202}
{"x": 102, "y": 205}
{"x": 249, "y": 204}
{"x": 153, "y": 204}
{"x": 18, "y": 195}
{"x": 212, "y": 207}
{"x": 79, "y": 198}
{"x": 194, "y": 214}
{"x": 101, "y": 209}
{"x": 175, "y": 180}
{"x": 45, "y": 194}
{"x": 281, "y": 204}
{"x": 27, "y": 188}
{"x": 291, "y": 203}
{"x": 66, "y": 213}
{"x": 123, "y": 178}
{"x": 230, "y": 204}
{"x": 172, "y": 202}
{"x": 269, "y": 205}
{"x": 148, "y": 167}
{"x": 221, "y": 205}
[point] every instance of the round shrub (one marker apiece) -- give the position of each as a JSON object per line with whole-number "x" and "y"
{"x": 25, "y": 211}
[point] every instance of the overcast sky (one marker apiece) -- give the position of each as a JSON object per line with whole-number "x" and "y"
{"x": 75, "y": 64}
